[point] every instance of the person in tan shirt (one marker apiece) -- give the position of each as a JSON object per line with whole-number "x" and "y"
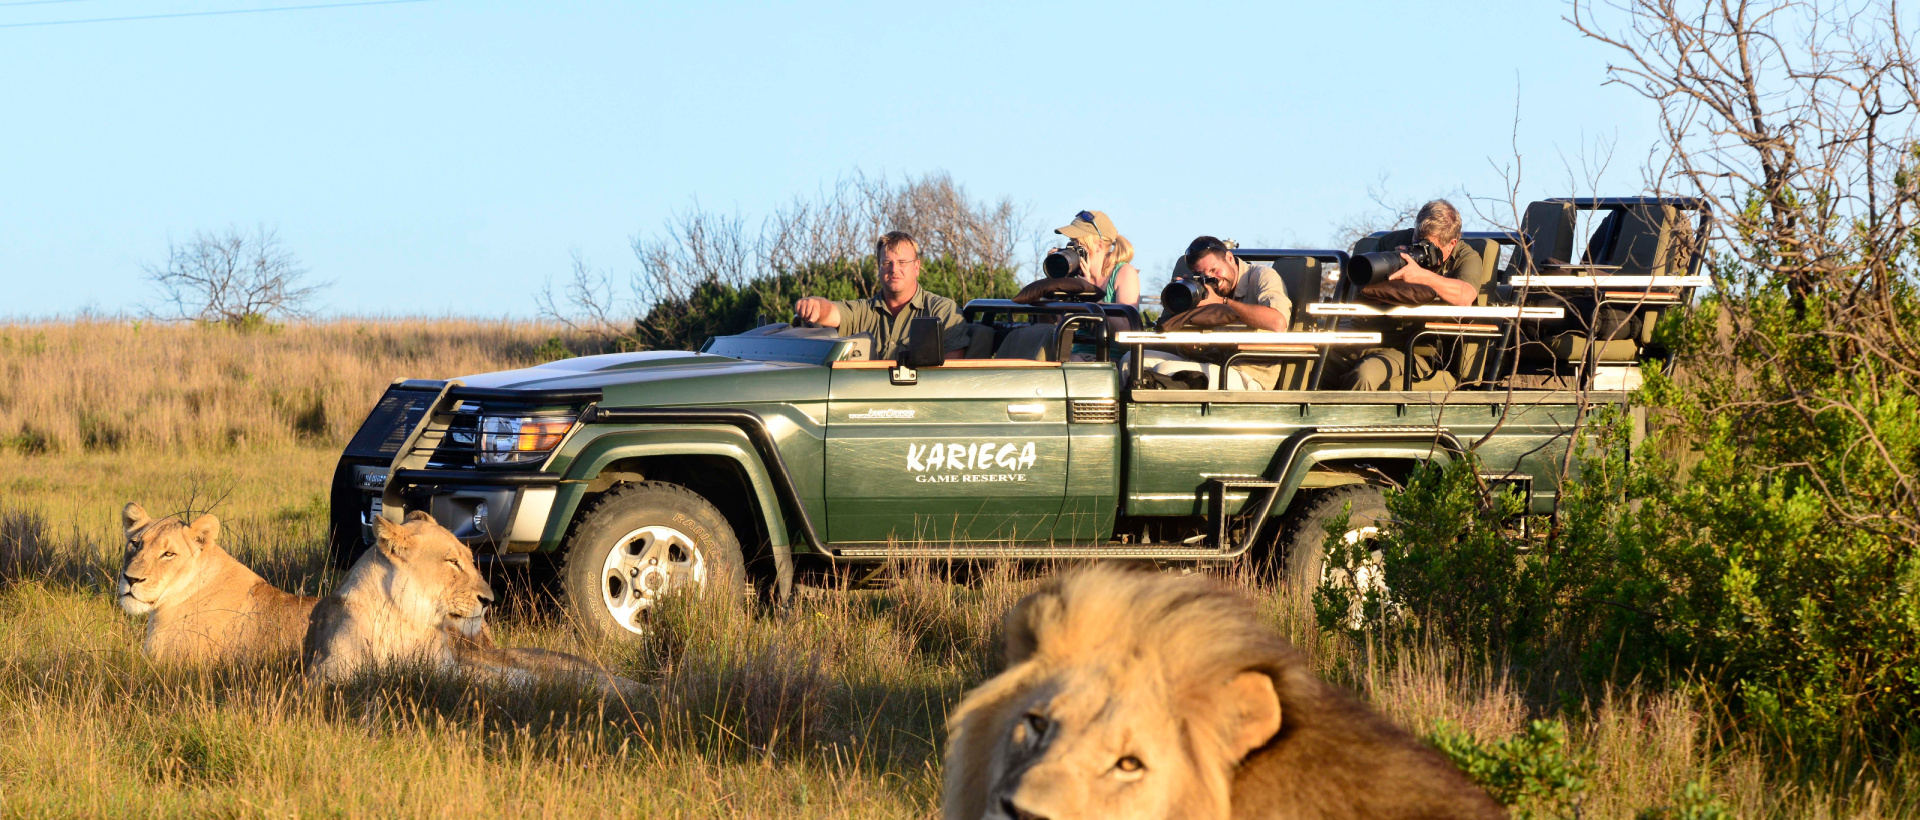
{"x": 887, "y": 315}
{"x": 1236, "y": 293}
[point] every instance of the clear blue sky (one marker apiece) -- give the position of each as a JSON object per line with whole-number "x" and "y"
{"x": 448, "y": 156}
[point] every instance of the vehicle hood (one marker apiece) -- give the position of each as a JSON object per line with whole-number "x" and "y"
{"x": 637, "y": 377}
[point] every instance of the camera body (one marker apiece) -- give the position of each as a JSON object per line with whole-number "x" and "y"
{"x": 1367, "y": 268}
{"x": 1064, "y": 262}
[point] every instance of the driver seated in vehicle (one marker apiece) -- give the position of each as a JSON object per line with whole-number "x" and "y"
{"x": 1235, "y": 293}
{"x": 1437, "y": 223}
{"x": 887, "y": 315}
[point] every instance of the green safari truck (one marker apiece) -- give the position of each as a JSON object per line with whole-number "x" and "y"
{"x": 790, "y": 451}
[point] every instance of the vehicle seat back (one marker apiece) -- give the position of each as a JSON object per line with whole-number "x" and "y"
{"x": 1546, "y": 231}
{"x": 1029, "y": 342}
{"x": 979, "y": 340}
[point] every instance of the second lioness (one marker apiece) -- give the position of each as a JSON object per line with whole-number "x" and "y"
{"x": 418, "y": 598}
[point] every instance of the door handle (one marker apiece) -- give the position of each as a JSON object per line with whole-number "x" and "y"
{"x": 1026, "y": 412}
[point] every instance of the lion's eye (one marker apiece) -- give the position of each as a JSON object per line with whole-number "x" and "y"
{"x": 166, "y": 555}
{"x": 1129, "y": 764}
{"x": 1037, "y": 724}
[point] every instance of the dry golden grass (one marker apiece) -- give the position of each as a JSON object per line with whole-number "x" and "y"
{"x": 832, "y": 709}
{"x": 121, "y": 385}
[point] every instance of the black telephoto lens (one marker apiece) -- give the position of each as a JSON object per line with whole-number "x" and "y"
{"x": 1062, "y": 263}
{"x": 1364, "y": 269}
{"x": 1179, "y": 296}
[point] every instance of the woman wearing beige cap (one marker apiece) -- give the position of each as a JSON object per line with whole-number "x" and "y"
{"x": 1107, "y": 255}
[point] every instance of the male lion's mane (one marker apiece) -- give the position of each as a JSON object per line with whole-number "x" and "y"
{"x": 1332, "y": 757}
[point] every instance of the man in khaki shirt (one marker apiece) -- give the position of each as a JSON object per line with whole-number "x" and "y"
{"x": 1236, "y": 293}
{"x": 1458, "y": 282}
{"x": 890, "y": 312}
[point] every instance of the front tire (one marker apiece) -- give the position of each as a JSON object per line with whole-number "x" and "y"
{"x": 641, "y": 543}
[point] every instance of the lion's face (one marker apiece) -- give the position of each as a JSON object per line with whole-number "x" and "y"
{"x": 435, "y": 573}
{"x": 1081, "y": 744}
{"x": 1100, "y": 716}
{"x": 162, "y": 557}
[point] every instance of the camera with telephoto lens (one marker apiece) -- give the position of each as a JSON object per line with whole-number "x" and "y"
{"x": 1180, "y": 295}
{"x": 1064, "y": 262}
{"x": 1367, "y": 268}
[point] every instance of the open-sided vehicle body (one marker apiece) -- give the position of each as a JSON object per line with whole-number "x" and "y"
{"x": 775, "y": 451}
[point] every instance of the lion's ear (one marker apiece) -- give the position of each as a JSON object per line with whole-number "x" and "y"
{"x": 391, "y": 538}
{"x": 133, "y": 517}
{"x": 205, "y": 530}
{"x": 419, "y": 515}
{"x": 1029, "y": 621}
{"x": 1250, "y": 713}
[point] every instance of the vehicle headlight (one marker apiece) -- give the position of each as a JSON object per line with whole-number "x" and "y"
{"x": 517, "y": 439}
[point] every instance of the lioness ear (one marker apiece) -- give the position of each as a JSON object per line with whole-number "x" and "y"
{"x": 205, "y": 529}
{"x": 391, "y": 538}
{"x": 419, "y": 515}
{"x": 1251, "y": 709}
{"x": 133, "y": 517}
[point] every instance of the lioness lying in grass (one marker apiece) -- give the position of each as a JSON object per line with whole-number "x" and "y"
{"x": 201, "y": 604}
{"x": 417, "y": 597}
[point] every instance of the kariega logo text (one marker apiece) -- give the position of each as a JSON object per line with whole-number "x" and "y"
{"x": 947, "y": 462}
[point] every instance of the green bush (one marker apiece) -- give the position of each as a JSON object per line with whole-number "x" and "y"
{"x": 1535, "y": 774}
{"x": 718, "y": 308}
{"x": 1760, "y": 573}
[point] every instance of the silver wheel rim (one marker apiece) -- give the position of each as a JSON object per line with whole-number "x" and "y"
{"x": 644, "y": 567}
{"x": 1368, "y": 575}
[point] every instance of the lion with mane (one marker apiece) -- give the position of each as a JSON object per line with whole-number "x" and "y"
{"x": 202, "y": 604}
{"x": 1139, "y": 695}
{"x": 418, "y": 597}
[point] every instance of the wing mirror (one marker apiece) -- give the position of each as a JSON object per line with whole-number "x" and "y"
{"x": 926, "y": 347}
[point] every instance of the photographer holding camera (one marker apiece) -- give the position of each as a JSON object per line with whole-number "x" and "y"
{"x": 1224, "y": 291}
{"x": 1098, "y": 254}
{"x": 1434, "y": 241}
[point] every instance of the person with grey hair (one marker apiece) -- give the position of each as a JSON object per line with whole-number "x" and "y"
{"x": 1458, "y": 282}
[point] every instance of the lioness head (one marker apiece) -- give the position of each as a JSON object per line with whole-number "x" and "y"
{"x": 1126, "y": 695}
{"x": 162, "y": 557}
{"x": 434, "y": 575}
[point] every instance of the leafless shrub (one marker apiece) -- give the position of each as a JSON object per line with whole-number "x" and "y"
{"x": 233, "y": 278}
{"x": 699, "y": 246}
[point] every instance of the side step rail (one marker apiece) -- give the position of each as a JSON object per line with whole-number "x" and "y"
{"x": 1289, "y": 453}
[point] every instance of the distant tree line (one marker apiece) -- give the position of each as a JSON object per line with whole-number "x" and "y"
{"x": 707, "y": 274}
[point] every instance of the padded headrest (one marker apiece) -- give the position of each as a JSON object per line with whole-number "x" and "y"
{"x": 1366, "y": 244}
{"x": 1301, "y": 279}
{"x": 1548, "y": 231}
{"x": 1642, "y": 243}
{"x": 1394, "y": 239}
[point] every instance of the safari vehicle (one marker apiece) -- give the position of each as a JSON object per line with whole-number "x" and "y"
{"x": 787, "y": 450}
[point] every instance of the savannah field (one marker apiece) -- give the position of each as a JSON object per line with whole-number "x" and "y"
{"x": 832, "y": 709}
